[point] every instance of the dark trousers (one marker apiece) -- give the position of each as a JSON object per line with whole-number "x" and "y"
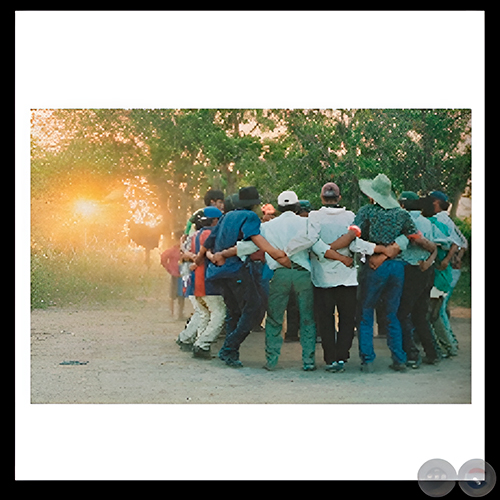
{"x": 336, "y": 345}
{"x": 413, "y": 312}
{"x": 244, "y": 309}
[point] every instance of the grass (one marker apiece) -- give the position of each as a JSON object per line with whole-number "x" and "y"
{"x": 98, "y": 276}
{"x": 95, "y": 276}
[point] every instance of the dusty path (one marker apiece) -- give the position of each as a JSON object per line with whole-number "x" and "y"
{"x": 128, "y": 355}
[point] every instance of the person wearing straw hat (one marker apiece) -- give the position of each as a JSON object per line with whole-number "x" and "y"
{"x": 383, "y": 222}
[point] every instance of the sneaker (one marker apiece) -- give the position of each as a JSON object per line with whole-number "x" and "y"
{"x": 269, "y": 367}
{"x": 367, "y": 367}
{"x": 309, "y": 367}
{"x": 340, "y": 367}
{"x": 230, "y": 357}
{"x": 414, "y": 364}
{"x": 431, "y": 361}
{"x": 234, "y": 363}
{"x": 184, "y": 346}
{"x": 198, "y": 352}
{"x": 398, "y": 367}
{"x": 335, "y": 367}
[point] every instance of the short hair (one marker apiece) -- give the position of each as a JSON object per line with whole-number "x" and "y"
{"x": 293, "y": 207}
{"x": 213, "y": 194}
{"x": 409, "y": 204}
{"x": 443, "y": 204}
{"x": 427, "y": 206}
{"x": 331, "y": 199}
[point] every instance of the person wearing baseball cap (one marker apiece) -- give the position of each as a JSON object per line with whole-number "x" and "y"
{"x": 441, "y": 206}
{"x": 304, "y": 208}
{"x": 334, "y": 277}
{"x": 418, "y": 282}
{"x": 208, "y": 302}
{"x": 278, "y": 232}
{"x": 232, "y": 278}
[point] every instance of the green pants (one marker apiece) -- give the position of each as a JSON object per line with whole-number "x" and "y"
{"x": 279, "y": 292}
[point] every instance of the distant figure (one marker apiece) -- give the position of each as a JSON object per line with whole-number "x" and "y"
{"x": 170, "y": 261}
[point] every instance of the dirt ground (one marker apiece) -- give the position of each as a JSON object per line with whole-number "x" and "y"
{"x": 126, "y": 353}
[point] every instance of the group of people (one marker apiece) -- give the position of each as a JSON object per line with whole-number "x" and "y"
{"x": 397, "y": 259}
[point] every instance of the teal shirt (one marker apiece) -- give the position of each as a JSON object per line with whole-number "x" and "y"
{"x": 415, "y": 253}
{"x": 442, "y": 279}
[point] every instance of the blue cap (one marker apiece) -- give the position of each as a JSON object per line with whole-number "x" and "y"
{"x": 439, "y": 195}
{"x": 212, "y": 212}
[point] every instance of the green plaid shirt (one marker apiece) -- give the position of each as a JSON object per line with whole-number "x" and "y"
{"x": 383, "y": 225}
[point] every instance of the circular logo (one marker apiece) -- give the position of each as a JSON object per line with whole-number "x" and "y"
{"x": 476, "y": 478}
{"x": 437, "y": 478}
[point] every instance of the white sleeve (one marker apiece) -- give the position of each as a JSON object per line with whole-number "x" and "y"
{"x": 362, "y": 246}
{"x": 244, "y": 248}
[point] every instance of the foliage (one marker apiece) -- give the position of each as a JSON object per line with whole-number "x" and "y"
{"x": 465, "y": 226}
{"x": 180, "y": 153}
{"x": 418, "y": 149}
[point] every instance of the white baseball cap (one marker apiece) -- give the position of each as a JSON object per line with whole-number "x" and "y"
{"x": 287, "y": 198}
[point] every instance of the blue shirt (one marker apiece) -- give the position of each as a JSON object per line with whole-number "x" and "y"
{"x": 197, "y": 284}
{"x": 240, "y": 224}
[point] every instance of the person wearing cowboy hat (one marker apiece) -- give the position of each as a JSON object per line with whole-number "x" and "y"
{"x": 383, "y": 222}
{"x": 232, "y": 278}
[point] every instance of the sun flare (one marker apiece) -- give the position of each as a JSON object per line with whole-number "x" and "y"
{"x": 86, "y": 208}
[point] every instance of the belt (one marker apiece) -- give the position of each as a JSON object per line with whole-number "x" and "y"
{"x": 297, "y": 266}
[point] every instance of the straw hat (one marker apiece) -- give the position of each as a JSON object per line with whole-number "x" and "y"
{"x": 380, "y": 189}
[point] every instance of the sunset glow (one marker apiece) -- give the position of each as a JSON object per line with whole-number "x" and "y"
{"x": 86, "y": 208}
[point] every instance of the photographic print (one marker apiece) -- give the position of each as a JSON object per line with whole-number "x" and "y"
{"x": 126, "y": 309}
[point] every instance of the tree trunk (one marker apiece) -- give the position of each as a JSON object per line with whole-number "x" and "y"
{"x": 455, "y": 201}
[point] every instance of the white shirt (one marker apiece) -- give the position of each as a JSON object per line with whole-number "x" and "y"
{"x": 325, "y": 226}
{"x": 280, "y": 231}
{"x": 455, "y": 233}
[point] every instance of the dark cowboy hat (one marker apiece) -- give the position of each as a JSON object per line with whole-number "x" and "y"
{"x": 247, "y": 196}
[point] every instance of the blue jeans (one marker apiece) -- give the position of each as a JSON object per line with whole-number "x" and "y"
{"x": 387, "y": 282}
